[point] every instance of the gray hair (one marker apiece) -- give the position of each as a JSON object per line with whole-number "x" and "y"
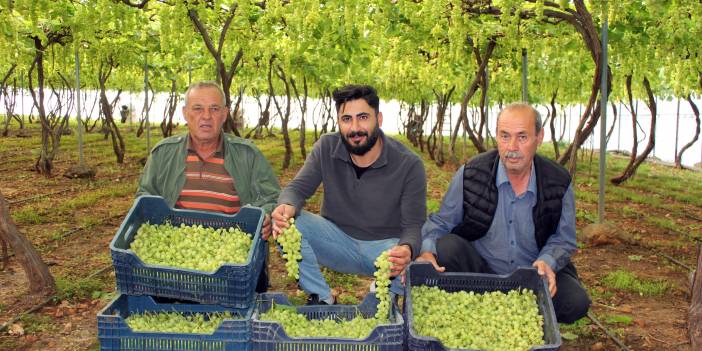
{"x": 201, "y": 85}
{"x": 523, "y": 106}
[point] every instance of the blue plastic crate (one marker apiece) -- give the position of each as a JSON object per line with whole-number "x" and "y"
{"x": 231, "y": 285}
{"x": 115, "y": 334}
{"x": 270, "y": 336}
{"x": 425, "y": 274}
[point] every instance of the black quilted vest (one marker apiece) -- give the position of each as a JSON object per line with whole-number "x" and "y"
{"x": 480, "y": 196}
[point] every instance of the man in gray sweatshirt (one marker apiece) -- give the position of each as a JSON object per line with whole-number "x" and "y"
{"x": 374, "y": 198}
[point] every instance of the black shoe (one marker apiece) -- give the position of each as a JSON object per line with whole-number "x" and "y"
{"x": 313, "y": 299}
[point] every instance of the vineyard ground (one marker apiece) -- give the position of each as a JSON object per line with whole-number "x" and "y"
{"x": 639, "y": 294}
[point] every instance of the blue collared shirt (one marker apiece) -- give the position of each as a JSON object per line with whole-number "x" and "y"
{"x": 510, "y": 241}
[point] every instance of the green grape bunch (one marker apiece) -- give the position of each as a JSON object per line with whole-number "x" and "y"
{"x": 175, "y": 322}
{"x": 297, "y": 325}
{"x": 192, "y": 247}
{"x": 291, "y": 241}
{"x": 382, "y": 285}
{"x": 490, "y": 321}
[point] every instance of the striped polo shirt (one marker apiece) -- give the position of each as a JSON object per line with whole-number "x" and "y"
{"x": 208, "y": 185}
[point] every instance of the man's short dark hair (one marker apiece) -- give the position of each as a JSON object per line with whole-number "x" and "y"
{"x": 354, "y": 92}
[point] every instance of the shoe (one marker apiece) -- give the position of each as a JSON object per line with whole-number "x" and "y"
{"x": 313, "y": 299}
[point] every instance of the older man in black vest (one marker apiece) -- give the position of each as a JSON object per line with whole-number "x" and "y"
{"x": 508, "y": 208}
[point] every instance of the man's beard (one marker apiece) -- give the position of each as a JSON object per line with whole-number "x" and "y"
{"x": 361, "y": 149}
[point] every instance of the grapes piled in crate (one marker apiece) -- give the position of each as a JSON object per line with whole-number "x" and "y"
{"x": 475, "y": 311}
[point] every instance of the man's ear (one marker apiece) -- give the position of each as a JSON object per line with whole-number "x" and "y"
{"x": 380, "y": 119}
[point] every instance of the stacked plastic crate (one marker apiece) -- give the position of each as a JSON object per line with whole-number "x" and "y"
{"x": 229, "y": 288}
{"x": 271, "y": 336}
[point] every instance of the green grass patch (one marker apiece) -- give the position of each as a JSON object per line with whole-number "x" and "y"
{"x": 347, "y": 282}
{"x": 87, "y": 199}
{"x": 599, "y": 294}
{"x": 629, "y": 212}
{"x": 433, "y": 205}
{"x": 27, "y": 215}
{"x": 346, "y": 299}
{"x": 586, "y": 216}
{"x": 297, "y": 300}
{"x": 34, "y": 323}
{"x": 580, "y": 328}
{"x": 586, "y": 196}
{"x": 618, "y": 319}
{"x": 627, "y": 281}
{"x": 76, "y": 289}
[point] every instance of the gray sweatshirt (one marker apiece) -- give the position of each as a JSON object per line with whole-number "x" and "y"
{"x": 388, "y": 201}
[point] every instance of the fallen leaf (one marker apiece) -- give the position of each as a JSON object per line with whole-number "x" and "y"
{"x": 640, "y": 323}
{"x": 569, "y": 336}
{"x": 625, "y": 308}
{"x": 16, "y": 329}
{"x": 598, "y": 346}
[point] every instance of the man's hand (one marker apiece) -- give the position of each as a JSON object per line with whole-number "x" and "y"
{"x": 400, "y": 257}
{"x": 545, "y": 270}
{"x": 266, "y": 230}
{"x": 281, "y": 214}
{"x": 429, "y": 257}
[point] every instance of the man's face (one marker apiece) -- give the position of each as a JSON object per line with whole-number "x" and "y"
{"x": 205, "y": 114}
{"x": 517, "y": 139}
{"x": 359, "y": 126}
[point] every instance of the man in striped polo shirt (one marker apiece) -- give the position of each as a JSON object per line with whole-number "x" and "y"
{"x": 207, "y": 169}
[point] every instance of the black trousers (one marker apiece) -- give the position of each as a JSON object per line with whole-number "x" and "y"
{"x": 263, "y": 280}
{"x": 571, "y": 301}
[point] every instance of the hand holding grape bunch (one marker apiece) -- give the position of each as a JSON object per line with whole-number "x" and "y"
{"x": 291, "y": 241}
{"x": 382, "y": 285}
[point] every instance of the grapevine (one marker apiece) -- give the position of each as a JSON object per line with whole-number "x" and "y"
{"x": 382, "y": 285}
{"x": 489, "y": 321}
{"x": 174, "y": 322}
{"x": 291, "y": 241}
{"x": 191, "y": 247}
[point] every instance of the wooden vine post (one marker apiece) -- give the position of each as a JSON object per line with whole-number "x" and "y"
{"x": 38, "y": 275}
{"x": 695, "y": 313}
